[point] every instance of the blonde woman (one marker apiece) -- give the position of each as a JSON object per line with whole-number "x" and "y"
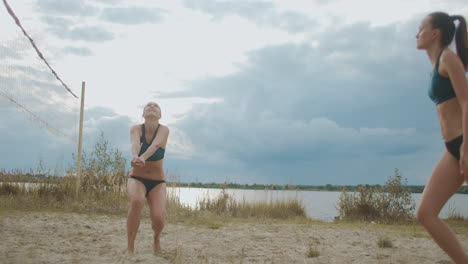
{"x": 449, "y": 91}
{"x": 147, "y": 180}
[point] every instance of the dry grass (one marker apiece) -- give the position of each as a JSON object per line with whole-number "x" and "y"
{"x": 102, "y": 190}
{"x": 312, "y": 252}
{"x": 390, "y": 204}
{"x": 384, "y": 242}
{"x": 226, "y": 206}
{"x": 105, "y": 199}
{"x": 454, "y": 215}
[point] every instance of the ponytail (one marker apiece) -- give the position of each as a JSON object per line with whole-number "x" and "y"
{"x": 461, "y": 40}
{"x": 446, "y": 24}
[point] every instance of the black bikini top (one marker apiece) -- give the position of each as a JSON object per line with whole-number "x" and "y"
{"x": 159, "y": 154}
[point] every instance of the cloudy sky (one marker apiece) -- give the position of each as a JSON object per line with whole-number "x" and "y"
{"x": 298, "y": 91}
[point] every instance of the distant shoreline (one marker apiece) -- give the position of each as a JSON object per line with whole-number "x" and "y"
{"x": 254, "y": 186}
{"x": 277, "y": 187}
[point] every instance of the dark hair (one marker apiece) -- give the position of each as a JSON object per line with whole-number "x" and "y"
{"x": 446, "y": 24}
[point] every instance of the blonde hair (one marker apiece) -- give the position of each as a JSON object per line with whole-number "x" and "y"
{"x": 151, "y": 102}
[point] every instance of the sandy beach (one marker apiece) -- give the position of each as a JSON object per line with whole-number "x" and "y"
{"x": 47, "y": 237}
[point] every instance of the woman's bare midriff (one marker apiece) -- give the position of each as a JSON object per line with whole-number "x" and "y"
{"x": 450, "y": 117}
{"x": 153, "y": 170}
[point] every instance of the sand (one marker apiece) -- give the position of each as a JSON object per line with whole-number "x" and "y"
{"x": 45, "y": 237}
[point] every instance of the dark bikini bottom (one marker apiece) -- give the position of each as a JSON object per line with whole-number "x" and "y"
{"x": 453, "y": 146}
{"x": 149, "y": 184}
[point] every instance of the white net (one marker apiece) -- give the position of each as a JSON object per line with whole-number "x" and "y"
{"x": 30, "y": 85}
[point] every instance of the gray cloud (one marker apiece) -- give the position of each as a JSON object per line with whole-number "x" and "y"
{"x": 132, "y": 15}
{"x": 108, "y": 2}
{"x": 349, "y": 106}
{"x": 260, "y": 12}
{"x": 80, "y": 51}
{"x": 449, "y": 2}
{"x": 8, "y": 52}
{"x": 64, "y": 28}
{"x": 116, "y": 128}
{"x": 25, "y": 142}
{"x": 326, "y": 2}
{"x": 221, "y": 8}
{"x": 90, "y": 33}
{"x": 66, "y": 7}
{"x": 57, "y": 21}
{"x": 61, "y": 23}
{"x": 292, "y": 21}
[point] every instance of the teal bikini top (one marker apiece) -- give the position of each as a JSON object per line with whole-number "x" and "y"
{"x": 159, "y": 154}
{"x": 441, "y": 88}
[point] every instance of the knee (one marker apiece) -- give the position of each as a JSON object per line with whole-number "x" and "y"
{"x": 420, "y": 215}
{"x": 137, "y": 203}
{"x": 424, "y": 215}
{"x": 157, "y": 223}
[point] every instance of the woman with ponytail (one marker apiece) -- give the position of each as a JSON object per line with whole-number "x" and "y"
{"x": 449, "y": 91}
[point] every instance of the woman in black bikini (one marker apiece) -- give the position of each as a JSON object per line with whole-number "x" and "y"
{"x": 147, "y": 179}
{"x": 449, "y": 91}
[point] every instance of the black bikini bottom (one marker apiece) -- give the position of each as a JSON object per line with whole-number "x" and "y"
{"x": 149, "y": 184}
{"x": 453, "y": 146}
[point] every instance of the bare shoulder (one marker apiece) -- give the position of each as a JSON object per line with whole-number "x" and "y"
{"x": 449, "y": 57}
{"x": 450, "y": 64}
{"x": 163, "y": 127}
{"x": 135, "y": 128}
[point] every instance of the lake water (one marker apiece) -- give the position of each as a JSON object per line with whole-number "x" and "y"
{"x": 319, "y": 205}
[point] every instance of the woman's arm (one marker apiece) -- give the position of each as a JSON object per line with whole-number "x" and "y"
{"x": 456, "y": 73}
{"x": 159, "y": 141}
{"x": 135, "y": 134}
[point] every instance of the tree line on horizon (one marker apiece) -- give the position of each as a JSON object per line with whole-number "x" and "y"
{"x": 31, "y": 176}
{"x": 278, "y": 187}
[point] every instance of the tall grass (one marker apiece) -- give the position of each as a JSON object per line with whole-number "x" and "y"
{"x": 384, "y": 242}
{"x": 391, "y": 204}
{"x": 103, "y": 170}
{"x": 102, "y": 189}
{"x": 454, "y": 215}
{"x": 176, "y": 210}
{"x": 226, "y": 205}
{"x": 61, "y": 196}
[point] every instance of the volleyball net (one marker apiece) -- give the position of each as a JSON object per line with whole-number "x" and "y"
{"x": 29, "y": 85}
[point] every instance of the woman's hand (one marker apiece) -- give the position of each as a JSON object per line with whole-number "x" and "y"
{"x": 137, "y": 162}
{"x": 463, "y": 159}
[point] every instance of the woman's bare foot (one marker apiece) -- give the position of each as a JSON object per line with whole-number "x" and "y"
{"x": 130, "y": 251}
{"x": 157, "y": 245}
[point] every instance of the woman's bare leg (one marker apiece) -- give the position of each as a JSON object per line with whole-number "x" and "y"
{"x": 157, "y": 205}
{"x": 444, "y": 182}
{"x": 136, "y": 192}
